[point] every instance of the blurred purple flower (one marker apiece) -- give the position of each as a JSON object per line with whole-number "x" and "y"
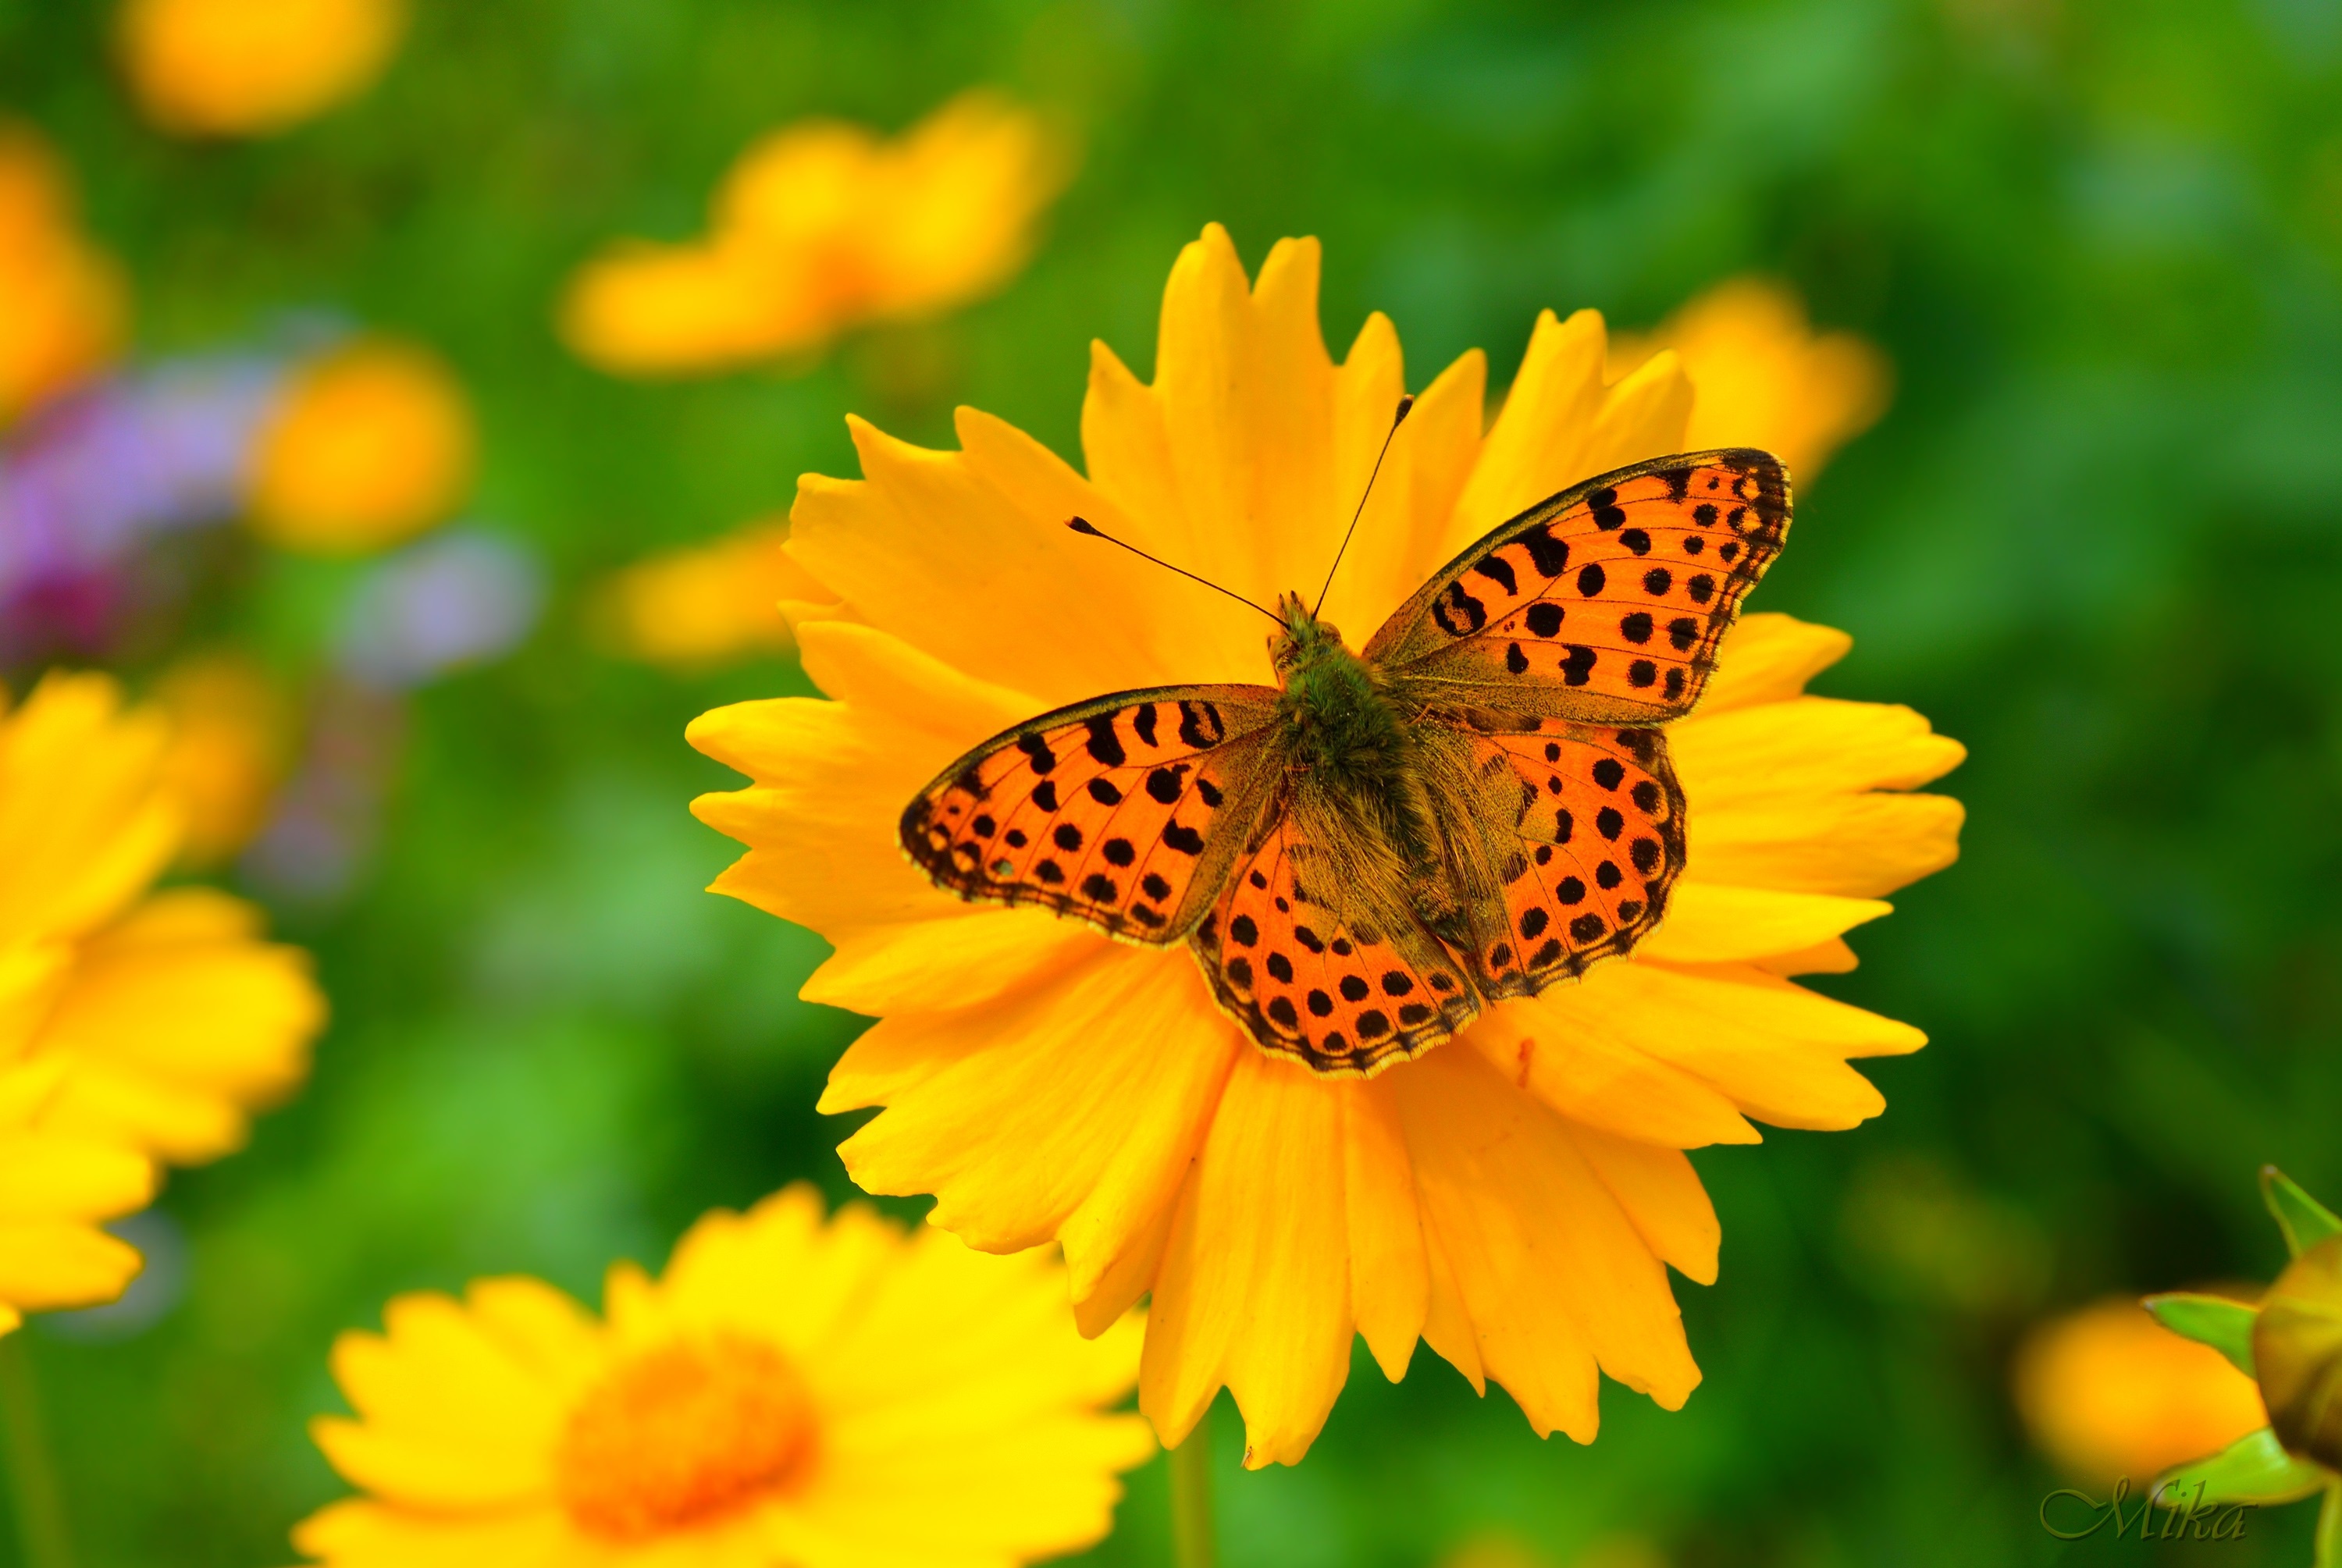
{"x": 88, "y": 479}
{"x": 461, "y": 598}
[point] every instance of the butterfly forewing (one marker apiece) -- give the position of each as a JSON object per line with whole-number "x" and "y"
{"x": 1596, "y": 845}
{"x": 1124, "y": 811}
{"x": 1307, "y": 984}
{"x": 1604, "y": 603}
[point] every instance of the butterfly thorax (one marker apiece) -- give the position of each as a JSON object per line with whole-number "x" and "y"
{"x": 1347, "y": 741}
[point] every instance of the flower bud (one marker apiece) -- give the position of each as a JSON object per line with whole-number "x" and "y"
{"x": 2297, "y": 1350}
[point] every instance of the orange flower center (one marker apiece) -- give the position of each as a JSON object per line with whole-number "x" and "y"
{"x": 679, "y": 1434}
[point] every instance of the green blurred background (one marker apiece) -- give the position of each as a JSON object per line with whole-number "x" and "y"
{"x": 2096, "y": 538}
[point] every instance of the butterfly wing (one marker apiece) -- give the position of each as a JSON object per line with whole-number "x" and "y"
{"x": 1604, "y": 603}
{"x": 1306, "y": 983}
{"x": 1583, "y": 862}
{"x": 1124, "y": 811}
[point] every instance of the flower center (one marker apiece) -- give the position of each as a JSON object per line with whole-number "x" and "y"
{"x": 680, "y": 1433}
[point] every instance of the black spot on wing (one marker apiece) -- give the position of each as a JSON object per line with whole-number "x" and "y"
{"x": 1550, "y": 555}
{"x": 1104, "y": 744}
{"x": 1037, "y": 752}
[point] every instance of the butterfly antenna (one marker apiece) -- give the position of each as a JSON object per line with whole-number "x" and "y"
{"x": 1084, "y": 526}
{"x": 1397, "y": 420}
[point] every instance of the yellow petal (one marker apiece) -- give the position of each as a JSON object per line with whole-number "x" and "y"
{"x": 1709, "y": 923}
{"x": 1202, "y": 348}
{"x": 369, "y": 445}
{"x": 1066, "y": 1112}
{"x": 1403, "y": 529}
{"x": 1539, "y": 443}
{"x": 358, "y": 1534}
{"x": 85, "y": 821}
{"x": 822, "y": 834}
{"x": 1128, "y": 451}
{"x": 203, "y": 68}
{"x": 1776, "y": 1051}
{"x": 924, "y": 541}
{"x": 1390, "y": 1282}
{"x": 60, "y": 1263}
{"x": 1643, "y": 415}
{"x": 893, "y": 1383}
{"x": 651, "y": 310}
{"x": 1554, "y": 1272}
{"x": 1036, "y": 1489}
{"x": 1257, "y": 1294}
{"x": 1848, "y": 845}
{"x": 1122, "y": 1274}
{"x": 779, "y": 1270}
{"x": 179, "y": 1022}
{"x": 540, "y": 1328}
{"x": 1563, "y": 1048}
{"x": 1662, "y": 1195}
{"x": 449, "y": 1416}
{"x": 1767, "y": 379}
{"x": 1768, "y": 657}
{"x": 969, "y": 181}
{"x": 56, "y": 1176}
{"x": 956, "y": 961}
{"x": 1805, "y": 745}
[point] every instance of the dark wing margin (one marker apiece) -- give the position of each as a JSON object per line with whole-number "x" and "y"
{"x": 1124, "y": 811}
{"x": 1603, "y": 604}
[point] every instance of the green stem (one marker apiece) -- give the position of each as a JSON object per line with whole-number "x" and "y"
{"x": 1194, "y": 1542}
{"x": 33, "y": 1487}
{"x": 2329, "y": 1529}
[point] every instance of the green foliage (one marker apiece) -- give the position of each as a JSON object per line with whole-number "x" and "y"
{"x": 2253, "y": 1469}
{"x": 2096, "y": 538}
{"x": 2304, "y": 1220}
{"x": 2226, "y": 1325}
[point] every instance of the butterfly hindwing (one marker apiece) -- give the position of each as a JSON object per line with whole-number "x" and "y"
{"x": 1604, "y": 603}
{"x": 1595, "y": 846}
{"x": 1306, "y": 983}
{"x": 1124, "y": 811}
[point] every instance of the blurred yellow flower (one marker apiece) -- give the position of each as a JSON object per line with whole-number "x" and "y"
{"x": 821, "y": 1395}
{"x": 55, "y": 1185}
{"x": 2108, "y": 1392}
{"x": 67, "y": 301}
{"x": 699, "y": 607}
{"x": 1764, "y": 378}
{"x": 230, "y": 744}
{"x": 172, "y": 1019}
{"x": 251, "y": 67}
{"x": 820, "y": 227}
{"x": 369, "y": 445}
{"x": 1516, "y": 1197}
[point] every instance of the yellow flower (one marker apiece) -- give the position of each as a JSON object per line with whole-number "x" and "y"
{"x": 1512, "y": 1197}
{"x": 701, "y": 606}
{"x": 251, "y": 67}
{"x": 230, "y": 737}
{"x": 791, "y": 1392}
{"x": 1765, "y": 377}
{"x": 367, "y": 446}
{"x": 170, "y": 1017}
{"x": 2107, "y": 1392}
{"x": 820, "y": 227}
{"x": 66, "y": 300}
{"x": 55, "y": 1185}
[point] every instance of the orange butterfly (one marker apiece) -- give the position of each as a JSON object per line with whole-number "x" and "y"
{"x": 1476, "y": 806}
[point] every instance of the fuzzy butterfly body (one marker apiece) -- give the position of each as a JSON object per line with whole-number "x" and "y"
{"x": 1478, "y": 806}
